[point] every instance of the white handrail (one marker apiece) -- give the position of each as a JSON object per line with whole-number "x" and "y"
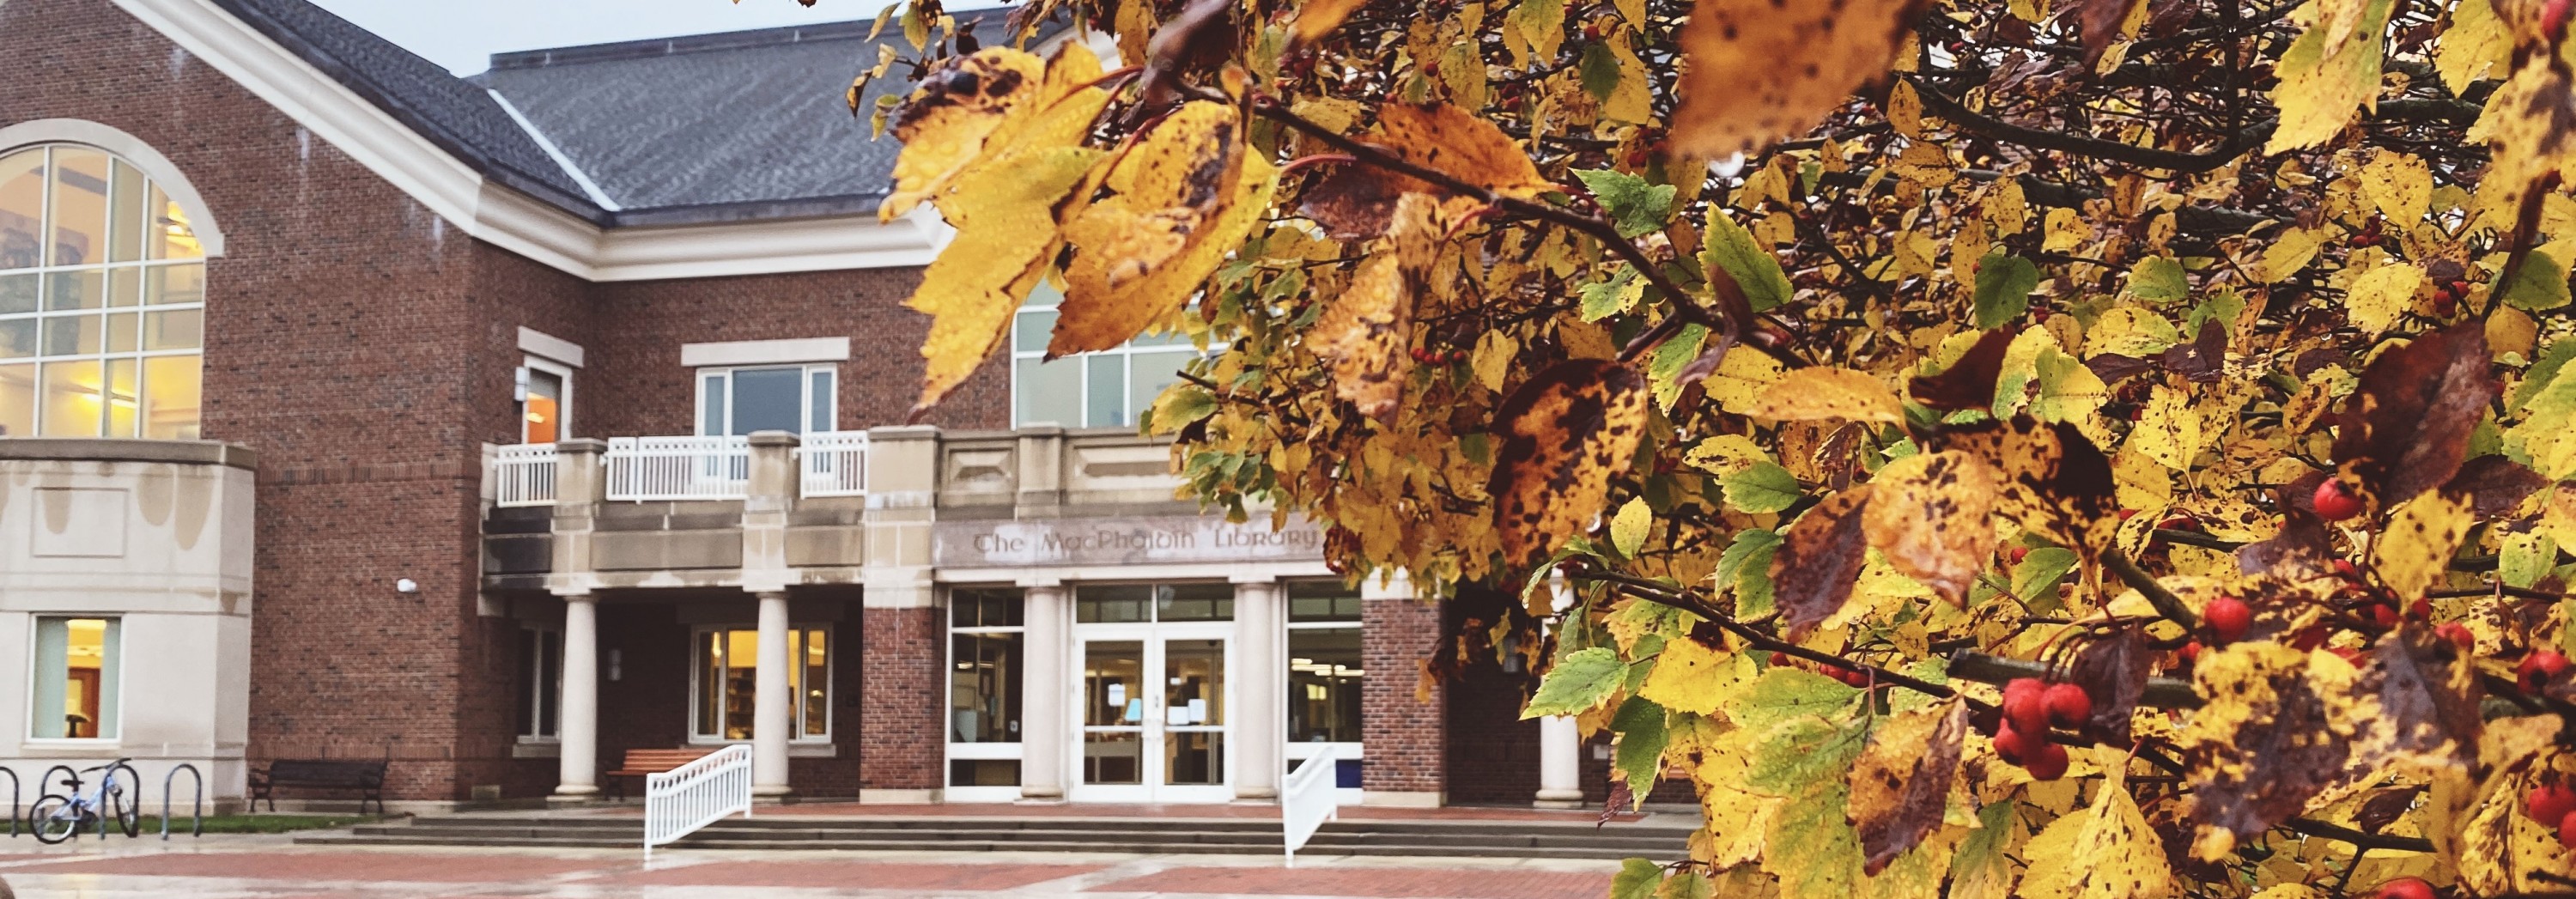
{"x": 1308, "y": 799}
{"x": 523, "y": 475}
{"x": 835, "y": 464}
{"x": 678, "y": 468}
{"x": 679, "y": 801}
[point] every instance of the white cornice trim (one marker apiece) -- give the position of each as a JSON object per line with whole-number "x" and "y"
{"x": 558, "y": 349}
{"x": 505, "y": 217}
{"x": 201, "y": 220}
{"x": 764, "y": 352}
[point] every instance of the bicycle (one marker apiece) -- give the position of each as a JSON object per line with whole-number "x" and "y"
{"x": 59, "y": 816}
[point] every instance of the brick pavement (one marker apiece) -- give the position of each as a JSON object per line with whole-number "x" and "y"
{"x": 1384, "y": 883}
{"x": 856, "y": 874}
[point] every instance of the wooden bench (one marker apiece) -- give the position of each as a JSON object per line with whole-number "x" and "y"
{"x": 640, "y": 762}
{"x": 366, "y": 777}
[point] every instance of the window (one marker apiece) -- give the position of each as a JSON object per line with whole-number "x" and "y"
{"x": 985, "y": 638}
{"x": 1106, "y": 389}
{"x": 797, "y": 399}
{"x": 541, "y": 670}
{"x": 727, "y": 668}
{"x": 1117, "y": 603}
{"x": 1324, "y": 668}
{"x": 102, "y": 300}
{"x": 545, "y": 401}
{"x": 75, "y": 679}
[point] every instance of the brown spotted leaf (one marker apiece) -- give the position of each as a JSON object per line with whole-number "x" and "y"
{"x": 2414, "y": 552}
{"x": 1762, "y": 70}
{"x": 2100, "y": 21}
{"x": 2406, "y": 429}
{"x": 1353, "y": 202}
{"x": 2494, "y": 484}
{"x": 2260, "y": 746}
{"x": 1460, "y": 144}
{"x": 944, "y": 122}
{"x": 1564, "y": 433}
{"x": 2416, "y": 703}
{"x": 1820, "y": 393}
{"x": 2301, "y": 550}
{"x": 1930, "y": 516}
{"x": 1366, "y": 332}
{"x": 1970, "y": 382}
{"x": 2113, "y": 670}
{"x": 1818, "y": 559}
{"x": 1901, "y": 783}
{"x": 1178, "y": 200}
{"x": 2055, "y": 482}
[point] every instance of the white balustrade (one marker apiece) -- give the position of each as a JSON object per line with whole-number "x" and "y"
{"x": 679, "y": 801}
{"x": 835, "y": 464}
{"x": 1308, "y": 799}
{"x": 523, "y": 475}
{"x": 678, "y": 468}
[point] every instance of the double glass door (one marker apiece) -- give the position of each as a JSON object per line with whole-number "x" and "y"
{"x": 1154, "y": 700}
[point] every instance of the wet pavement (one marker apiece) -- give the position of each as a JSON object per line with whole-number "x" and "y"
{"x": 271, "y": 867}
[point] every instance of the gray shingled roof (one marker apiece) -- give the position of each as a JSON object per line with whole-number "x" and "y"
{"x": 461, "y": 118}
{"x": 716, "y": 126}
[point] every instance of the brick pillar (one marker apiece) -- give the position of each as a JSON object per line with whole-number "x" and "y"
{"x": 1402, "y": 737}
{"x": 901, "y": 744}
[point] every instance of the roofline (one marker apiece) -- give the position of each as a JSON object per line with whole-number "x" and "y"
{"x": 687, "y": 43}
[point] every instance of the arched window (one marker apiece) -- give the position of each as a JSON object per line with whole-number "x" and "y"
{"x": 102, "y": 299}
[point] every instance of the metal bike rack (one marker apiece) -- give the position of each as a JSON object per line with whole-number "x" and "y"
{"x": 196, "y": 812}
{"x": 13, "y": 800}
{"x": 70, "y": 776}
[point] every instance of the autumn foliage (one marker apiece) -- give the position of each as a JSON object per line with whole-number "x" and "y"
{"x": 1987, "y": 447}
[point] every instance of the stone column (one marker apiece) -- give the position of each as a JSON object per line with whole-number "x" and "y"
{"x": 1259, "y": 717}
{"x": 579, "y": 490}
{"x": 1560, "y": 763}
{"x": 771, "y": 723}
{"x": 1404, "y": 738}
{"x": 1046, "y": 703}
{"x": 577, "y": 777}
{"x": 768, "y": 496}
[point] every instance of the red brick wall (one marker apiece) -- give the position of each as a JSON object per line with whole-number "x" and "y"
{"x": 902, "y": 742}
{"x": 1402, "y": 738}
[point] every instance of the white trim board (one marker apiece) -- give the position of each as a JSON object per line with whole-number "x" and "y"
{"x": 541, "y": 343}
{"x": 201, "y": 220}
{"x": 505, "y": 217}
{"x": 764, "y": 352}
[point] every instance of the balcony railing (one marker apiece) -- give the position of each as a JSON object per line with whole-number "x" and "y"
{"x": 523, "y": 475}
{"x": 642, "y": 469}
{"x": 835, "y": 463}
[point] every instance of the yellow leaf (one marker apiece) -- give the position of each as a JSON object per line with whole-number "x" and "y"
{"x": 1181, "y": 198}
{"x": 2381, "y": 295}
{"x": 976, "y": 284}
{"x": 1633, "y": 99}
{"x": 2169, "y": 430}
{"x": 2475, "y": 44}
{"x": 2108, "y": 852}
{"x": 2399, "y": 184}
{"x": 1693, "y": 677}
{"x": 2415, "y": 550}
{"x": 1905, "y": 110}
{"x": 1564, "y": 434}
{"x": 1930, "y": 515}
{"x": 1628, "y": 528}
{"x": 1366, "y": 332}
{"x": 2331, "y": 71}
{"x": 1726, "y": 454}
{"x": 944, "y": 122}
{"x": 1320, "y": 17}
{"x": 1820, "y": 393}
{"x": 1741, "y": 379}
{"x": 1460, "y": 144}
{"x": 1492, "y": 360}
{"x": 2290, "y": 252}
{"x": 1760, "y": 70}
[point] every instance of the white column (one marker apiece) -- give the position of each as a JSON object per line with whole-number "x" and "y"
{"x": 1045, "y": 725}
{"x": 1560, "y": 763}
{"x": 1259, "y": 716}
{"x": 770, "y": 702}
{"x": 577, "y": 769}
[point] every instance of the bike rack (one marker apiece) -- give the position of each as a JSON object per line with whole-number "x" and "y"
{"x": 196, "y": 813}
{"x": 13, "y": 801}
{"x": 70, "y": 776}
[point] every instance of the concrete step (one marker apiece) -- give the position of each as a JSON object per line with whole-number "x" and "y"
{"x": 898, "y": 845}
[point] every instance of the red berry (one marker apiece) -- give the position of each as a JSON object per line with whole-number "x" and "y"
{"x": 2011, "y": 745}
{"x": 2549, "y": 802}
{"x": 2420, "y": 610}
{"x": 2176, "y": 523}
{"x": 2228, "y": 618}
{"x": 2538, "y": 668}
{"x": 2068, "y": 705}
{"x": 2189, "y": 653}
{"x": 2383, "y": 614}
{"x": 2458, "y": 634}
{"x": 2348, "y": 654}
{"x": 2019, "y": 553}
{"x": 2026, "y": 705}
{"x": 2405, "y": 888}
{"x": 2126, "y": 514}
{"x": 2346, "y": 570}
{"x": 2567, "y": 831}
{"x": 2553, "y": 19}
{"x": 2335, "y": 502}
{"x": 2047, "y": 762}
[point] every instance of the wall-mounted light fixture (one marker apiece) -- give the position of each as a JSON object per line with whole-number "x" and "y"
{"x": 406, "y": 585}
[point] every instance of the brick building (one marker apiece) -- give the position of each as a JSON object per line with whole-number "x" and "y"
{"x": 497, "y": 426}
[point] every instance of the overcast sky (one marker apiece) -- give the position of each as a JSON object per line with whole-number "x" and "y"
{"x": 463, "y": 34}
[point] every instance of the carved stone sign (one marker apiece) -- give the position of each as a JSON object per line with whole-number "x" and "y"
{"x": 1121, "y": 541}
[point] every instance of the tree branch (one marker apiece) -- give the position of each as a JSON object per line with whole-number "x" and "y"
{"x": 2166, "y": 603}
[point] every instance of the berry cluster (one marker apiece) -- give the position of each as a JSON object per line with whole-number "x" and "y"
{"x": 1849, "y": 676}
{"x": 1429, "y": 356}
{"x": 2553, "y": 805}
{"x": 2031, "y": 707}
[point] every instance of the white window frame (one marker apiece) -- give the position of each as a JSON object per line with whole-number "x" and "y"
{"x": 543, "y": 699}
{"x": 796, "y": 705}
{"x": 35, "y": 625}
{"x": 1125, "y": 352}
{"x": 804, "y": 395}
{"x": 1300, "y": 750}
{"x": 980, "y": 751}
{"x": 563, "y": 405}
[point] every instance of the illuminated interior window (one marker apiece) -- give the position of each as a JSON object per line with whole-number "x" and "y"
{"x": 75, "y": 679}
{"x": 102, "y": 300}
{"x": 1110, "y": 388}
{"x": 724, "y": 681}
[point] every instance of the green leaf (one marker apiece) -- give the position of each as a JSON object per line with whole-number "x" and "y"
{"x": 1637, "y": 879}
{"x": 1628, "y": 528}
{"x": 1761, "y": 487}
{"x": 2004, "y": 283}
{"x": 1577, "y": 683}
{"x": 1607, "y": 298}
{"x": 1640, "y": 753}
{"x": 1803, "y": 753}
{"x": 1730, "y": 247}
{"x": 1664, "y": 368}
{"x": 2541, "y": 283}
{"x": 1746, "y": 565}
{"x": 1782, "y": 694}
{"x": 2039, "y": 572}
{"x": 2222, "y": 307}
{"x": 1981, "y": 859}
{"x": 2525, "y": 557}
{"x": 1635, "y": 205}
{"x": 1812, "y": 848}
{"x": 2544, "y": 370}
{"x": 1600, "y": 71}
{"x": 2158, "y": 279}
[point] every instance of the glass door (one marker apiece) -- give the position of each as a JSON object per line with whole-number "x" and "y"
{"x": 1157, "y": 738}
